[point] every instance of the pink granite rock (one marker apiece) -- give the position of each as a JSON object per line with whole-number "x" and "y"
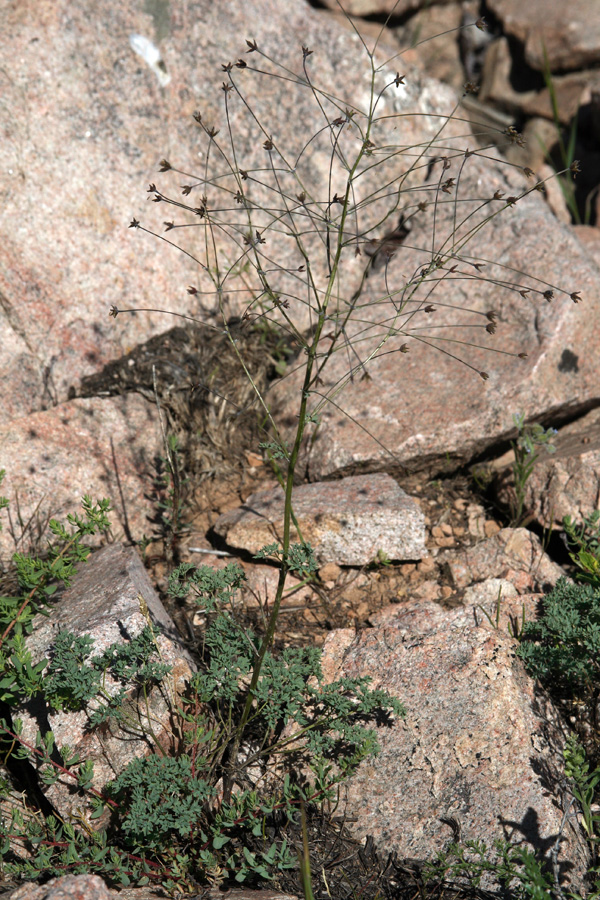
{"x": 421, "y": 409}
{"x": 513, "y": 554}
{"x": 571, "y": 91}
{"x": 570, "y": 36}
{"x": 567, "y": 482}
{"x": 86, "y": 121}
{"x": 69, "y": 887}
{"x": 479, "y": 745}
{"x": 101, "y": 447}
{"x": 346, "y": 522}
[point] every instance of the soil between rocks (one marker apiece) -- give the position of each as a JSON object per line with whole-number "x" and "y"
{"x": 347, "y": 597}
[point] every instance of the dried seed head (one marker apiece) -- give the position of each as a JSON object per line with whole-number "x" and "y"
{"x": 169, "y": 225}
{"x": 268, "y": 144}
{"x": 491, "y": 315}
{"x": 429, "y": 309}
{"x": 113, "y": 312}
{"x": 192, "y": 290}
{"x": 243, "y": 175}
{"x": 514, "y": 136}
{"x": 226, "y": 67}
{"x": 134, "y": 224}
{"x": 448, "y": 185}
{"x": 399, "y": 79}
{"x": 404, "y": 348}
{"x": 252, "y": 46}
{"x": 484, "y": 375}
{"x": 470, "y": 88}
{"x": 548, "y": 295}
{"x": 491, "y": 328}
{"x": 529, "y": 172}
{"x": 164, "y": 166}
{"x": 575, "y": 296}
{"x": 522, "y": 355}
{"x": 575, "y": 168}
{"x": 481, "y": 24}
{"x": 306, "y": 52}
{"x": 524, "y": 292}
{"x": 498, "y": 195}
{"x": 226, "y": 88}
{"x": 186, "y": 189}
{"x": 241, "y": 64}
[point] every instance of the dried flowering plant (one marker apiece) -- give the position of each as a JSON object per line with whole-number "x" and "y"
{"x": 343, "y": 235}
{"x": 308, "y": 235}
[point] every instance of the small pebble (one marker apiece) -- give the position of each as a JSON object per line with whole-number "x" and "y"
{"x": 426, "y": 566}
{"x": 330, "y": 572}
{"x": 491, "y": 528}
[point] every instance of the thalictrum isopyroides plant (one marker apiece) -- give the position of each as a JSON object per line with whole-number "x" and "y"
{"x": 279, "y": 242}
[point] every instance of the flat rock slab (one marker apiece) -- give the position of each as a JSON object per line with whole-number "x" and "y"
{"x": 348, "y": 522}
{"x": 478, "y": 744}
{"x": 422, "y": 409}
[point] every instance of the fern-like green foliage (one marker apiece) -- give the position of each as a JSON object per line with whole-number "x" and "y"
{"x": 290, "y": 689}
{"x": 516, "y": 870}
{"x": 303, "y": 738}
{"x": 562, "y": 648}
{"x": 163, "y": 798}
{"x": 170, "y": 821}
{"x": 584, "y": 543}
{"x": 74, "y": 678}
{"x": 38, "y": 580}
